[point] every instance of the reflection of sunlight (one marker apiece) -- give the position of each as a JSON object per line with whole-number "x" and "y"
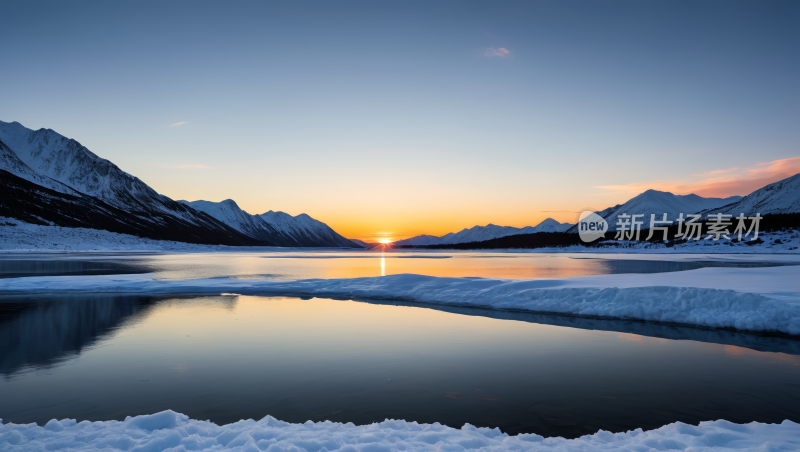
{"x": 383, "y": 266}
{"x": 641, "y": 339}
{"x": 740, "y": 351}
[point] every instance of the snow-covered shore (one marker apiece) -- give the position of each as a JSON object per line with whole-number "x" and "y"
{"x": 169, "y": 430}
{"x": 752, "y": 299}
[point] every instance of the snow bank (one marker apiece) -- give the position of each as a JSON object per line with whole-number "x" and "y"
{"x": 175, "y": 431}
{"x": 787, "y": 241}
{"x": 753, "y": 299}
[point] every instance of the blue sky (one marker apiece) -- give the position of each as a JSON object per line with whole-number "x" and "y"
{"x": 416, "y": 117}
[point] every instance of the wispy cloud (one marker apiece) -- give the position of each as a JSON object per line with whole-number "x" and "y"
{"x": 720, "y": 183}
{"x": 719, "y": 171}
{"x": 182, "y": 123}
{"x": 501, "y": 52}
{"x": 192, "y": 166}
{"x": 186, "y": 166}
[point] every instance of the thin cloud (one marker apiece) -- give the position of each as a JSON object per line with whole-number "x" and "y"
{"x": 721, "y": 183}
{"x": 719, "y": 171}
{"x": 186, "y": 166}
{"x": 182, "y": 123}
{"x": 501, "y": 52}
{"x": 192, "y": 166}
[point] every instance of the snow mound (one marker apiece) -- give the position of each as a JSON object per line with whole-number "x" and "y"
{"x": 177, "y": 432}
{"x": 751, "y": 299}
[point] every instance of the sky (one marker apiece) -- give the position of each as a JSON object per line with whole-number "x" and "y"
{"x": 393, "y": 119}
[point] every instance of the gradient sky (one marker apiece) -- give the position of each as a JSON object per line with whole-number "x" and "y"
{"x": 403, "y": 118}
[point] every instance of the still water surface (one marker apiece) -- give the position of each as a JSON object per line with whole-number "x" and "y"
{"x": 226, "y": 358}
{"x": 293, "y": 266}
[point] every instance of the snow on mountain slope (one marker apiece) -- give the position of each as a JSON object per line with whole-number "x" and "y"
{"x": 481, "y": 233}
{"x": 275, "y": 227}
{"x": 304, "y": 230}
{"x": 67, "y": 161}
{"x": 781, "y": 197}
{"x": 53, "y": 157}
{"x": 547, "y": 225}
{"x": 321, "y": 230}
{"x": 660, "y": 202}
{"x": 478, "y": 234}
{"x": 228, "y": 212}
{"x": 420, "y": 240}
{"x": 11, "y": 163}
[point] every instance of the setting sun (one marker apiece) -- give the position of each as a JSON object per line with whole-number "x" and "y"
{"x": 385, "y": 241}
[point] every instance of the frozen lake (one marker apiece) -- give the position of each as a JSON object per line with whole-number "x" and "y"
{"x": 225, "y": 358}
{"x": 355, "y": 264}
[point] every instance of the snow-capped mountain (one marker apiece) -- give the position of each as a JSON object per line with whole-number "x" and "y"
{"x": 52, "y": 156}
{"x": 228, "y": 212}
{"x": 661, "y": 202}
{"x": 778, "y": 198}
{"x": 304, "y": 230}
{"x": 547, "y": 225}
{"x": 275, "y": 227}
{"x": 67, "y": 161}
{"x": 481, "y": 233}
{"x": 43, "y": 167}
{"x": 420, "y": 240}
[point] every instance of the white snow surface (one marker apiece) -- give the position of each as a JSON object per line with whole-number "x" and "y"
{"x": 752, "y": 299}
{"x": 488, "y": 232}
{"x": 176, "y": 432}
{"x": 785, "y": 241}
{"x": 171, "y": 431}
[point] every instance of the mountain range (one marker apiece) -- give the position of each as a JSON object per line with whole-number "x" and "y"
{"x": 661, "y": 202}
{"x": 782, "y": 197}
{"x": 277, "y": 227}
{"x": 481, "y": 233}
{"x": 49, "y": 179}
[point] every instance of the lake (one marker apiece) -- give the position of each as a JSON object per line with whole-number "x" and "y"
{"x": 225, "y": 358}
{"x": 355, "y": 264}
